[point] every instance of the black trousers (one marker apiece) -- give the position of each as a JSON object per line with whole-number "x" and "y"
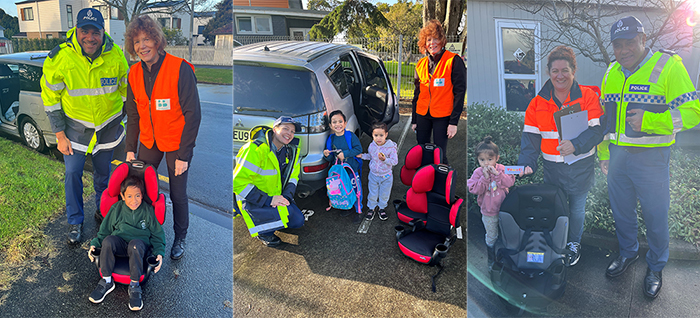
{"x": 116, "y": 246}
{"x": 427, "y": 125}
{"x": 178, "y": 186}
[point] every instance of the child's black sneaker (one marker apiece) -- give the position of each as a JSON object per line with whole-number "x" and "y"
{"x": 135, "y": 302}
{"x": 103, "y": 288}
{"x": 345, "y": 213}
{"x": 370, "y": 213}
{"x": 357, "y": 218}
{"x": 382, "y": 215}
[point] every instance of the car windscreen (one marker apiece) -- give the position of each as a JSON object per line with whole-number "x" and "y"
{"x": 263, "y": 90}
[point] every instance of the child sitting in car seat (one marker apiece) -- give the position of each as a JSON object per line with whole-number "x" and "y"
{"x": 129, "y": 229}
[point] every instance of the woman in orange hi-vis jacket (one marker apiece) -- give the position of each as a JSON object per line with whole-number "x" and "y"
{"x": 163, "y": 112}
{"x": 540, "y": 134}
{"x": 441, "y": 82}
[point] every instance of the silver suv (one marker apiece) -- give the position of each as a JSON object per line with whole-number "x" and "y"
{"x": 21, "y": 109}
{"x": 307, "y": 81}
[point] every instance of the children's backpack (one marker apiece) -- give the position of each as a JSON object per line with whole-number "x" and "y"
{"x": 348, "y": 140}
{"x": 341, "y": 185}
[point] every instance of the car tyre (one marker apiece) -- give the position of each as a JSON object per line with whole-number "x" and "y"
{"x": 31, "y": 135}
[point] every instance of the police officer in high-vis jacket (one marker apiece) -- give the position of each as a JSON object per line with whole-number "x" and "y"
{"x": 83, "y": 83}
{"x": 648, "y": 97}
{"x": 265, "y": 179}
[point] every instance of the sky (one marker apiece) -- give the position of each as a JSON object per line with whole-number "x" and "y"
{"x": 9, "y": 6}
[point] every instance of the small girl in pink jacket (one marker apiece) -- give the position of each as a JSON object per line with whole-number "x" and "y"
{"x": 490, "y": 184}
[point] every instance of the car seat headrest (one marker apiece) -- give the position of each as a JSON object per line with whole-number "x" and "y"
{"x": 423, "y": 154}
{"x": 436, "y": 178}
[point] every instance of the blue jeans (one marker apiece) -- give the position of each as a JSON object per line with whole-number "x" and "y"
{"x": 379, "y": 190}
{"x": 577, "y": 215}
{"x": 75, "y": 163}
{"x": 643, "y": 176}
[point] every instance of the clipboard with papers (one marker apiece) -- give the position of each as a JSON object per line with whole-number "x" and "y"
{"x": 571, "y": 122}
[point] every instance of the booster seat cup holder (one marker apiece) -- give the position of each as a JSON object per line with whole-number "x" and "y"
{"x": 440, "y": 252}
{"x": 152, "y": 261}
{"x": 400, "y": 231}
{"x": 96, "y": 256}
{"x": 396, "y": 204}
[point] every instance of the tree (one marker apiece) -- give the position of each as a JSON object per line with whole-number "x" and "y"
{"x": 10, "y": 23}
{"x": 174, "y": 37}
{"x": 404, "y": 19}
{"x": 129, "y": 9}
{"x": 452, "y": 14}
{"x": 223, "y": 16}
{"x": 357, "y": 18}
{"x": 323, "y": 5}
{"x": 585, "y": 25}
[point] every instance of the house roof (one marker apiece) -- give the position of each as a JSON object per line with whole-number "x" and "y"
{"x": 226, "y": 29}
{"x": 1, "y": 28}
{"x": 30, "y": 1}
{"x": 204, "y": 14}
{"x": 20, "y": 35}
{"x": 165, "y": 4}
{"x": 296, "y": 13}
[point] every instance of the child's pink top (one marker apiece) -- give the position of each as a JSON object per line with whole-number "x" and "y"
{"x": 488, "y": 198}
{"x": 376, "y": 166}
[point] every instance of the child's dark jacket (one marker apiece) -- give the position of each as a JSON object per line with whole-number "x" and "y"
{"x": 137, "y": 224}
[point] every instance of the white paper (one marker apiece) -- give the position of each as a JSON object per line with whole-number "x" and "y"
{"x": 571, "y": 126}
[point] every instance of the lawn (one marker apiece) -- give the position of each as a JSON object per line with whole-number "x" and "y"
{"x": 31, "y": 193}
{"x": 214, "y": 75}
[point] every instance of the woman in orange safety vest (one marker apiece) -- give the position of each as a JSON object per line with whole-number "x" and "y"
{"x": 163, "y": 114}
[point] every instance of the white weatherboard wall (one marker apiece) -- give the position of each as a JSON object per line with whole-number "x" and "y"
{"x": 483, "y": 77}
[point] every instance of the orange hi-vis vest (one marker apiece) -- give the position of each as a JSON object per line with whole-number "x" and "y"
{"x": 435, "y": 89}
{"x": 161, "y": 115}
{"x": 539, "y": 116}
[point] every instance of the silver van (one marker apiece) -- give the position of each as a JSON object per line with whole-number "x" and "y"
{"x": 21, "y": 109}
{"x": 307, "y": 81}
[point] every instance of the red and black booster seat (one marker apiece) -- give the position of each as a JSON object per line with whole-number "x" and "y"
{"x": 111, "y": 196}
{"x": 417, "y": 157}
{"x": 429, "y": 241}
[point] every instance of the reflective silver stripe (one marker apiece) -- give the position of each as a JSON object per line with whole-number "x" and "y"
{"x": 531, "y": 129}
{"x": 99, "y": 127}
{"x": 677, "y": 120}
{"x": 93, "y": 91}
{"x": 52, "y": 108}
{"x": 684, "y": 98}
{"x": 255, "y": 169}
{"x": 266, "y": 226}
{"x": 560, "y": 158}
{"x": 594, "y": 122}
{"x": 246, "y": 191}
{"x": 648, "y": 140}
{"x": 79, "y": 147}
{"x": 612, "y": 98}
{"x": 659, "y": 67}
{"x": 609, "y": 136}
{"x": 549, "y": 135}
{"x": 646, "y": 99}
{"x": 109, "y": 145}
{"x": 54, "y": 87}
{"x": 293, "y": 181}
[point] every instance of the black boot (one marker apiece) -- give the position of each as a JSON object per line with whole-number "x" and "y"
{"x": 492, "y": 256}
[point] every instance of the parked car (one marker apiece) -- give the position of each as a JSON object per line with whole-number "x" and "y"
{"x": 307, "y": 81}
{"x": 21, "y": 109}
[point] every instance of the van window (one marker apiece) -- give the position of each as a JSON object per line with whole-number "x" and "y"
{"x": 265, "y": 90}
{"x": 373, "y": 73}
{"x": 337, "y": 76}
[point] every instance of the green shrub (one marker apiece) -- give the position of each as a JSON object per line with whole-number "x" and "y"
{"x": 506, "y": 129}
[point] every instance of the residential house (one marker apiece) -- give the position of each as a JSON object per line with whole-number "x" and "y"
{"x": 53, "y": 18}
{"x": 507, "y": 66}
{"x": 201, "y": 19}
{"x": 261, "y": 20}
{"x": 224, "y": 37}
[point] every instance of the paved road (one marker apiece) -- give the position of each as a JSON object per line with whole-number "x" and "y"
{"x": 57, "y": 284}
{"x": 327, "y": 269}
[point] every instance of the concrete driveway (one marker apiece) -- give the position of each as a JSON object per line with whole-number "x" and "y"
{"x": 327, "y": 269}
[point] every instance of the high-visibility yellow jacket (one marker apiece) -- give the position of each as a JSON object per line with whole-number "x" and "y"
{"x": 663, "y": 89}
{"x": 84, "y": 97}
{"x": 257, "y": 178}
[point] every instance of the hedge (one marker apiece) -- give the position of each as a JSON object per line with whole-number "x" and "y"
{"x": 506, "y": 128}
{"x": 23, "y": 45}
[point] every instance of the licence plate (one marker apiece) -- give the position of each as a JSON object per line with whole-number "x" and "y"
{"x": 241, "y": 135}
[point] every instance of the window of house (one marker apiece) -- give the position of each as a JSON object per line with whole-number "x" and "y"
{"x": 177, "y": 23}
{"x": 256, "y": 24}
{"x": 49, "y": 36}
{"x": 164, "y": 22}
{"x": 69, "y": 15}
{"x": 27, "y": 14}
{"x": 115, "y": 14}
{"x": 104, "y": 10}
{"x": 518, "y": 57}
{"x": 200, "y": 29}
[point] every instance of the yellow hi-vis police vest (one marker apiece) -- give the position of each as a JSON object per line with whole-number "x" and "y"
{"x": 89, "y": 95}
{"x": 663, "y": 89}
{"x": 258, "y": 167}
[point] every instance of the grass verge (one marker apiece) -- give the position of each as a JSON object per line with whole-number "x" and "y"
{"x": 214, "y": 75}
{"x": 31, "y": 193}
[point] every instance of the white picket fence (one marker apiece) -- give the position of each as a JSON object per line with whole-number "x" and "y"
{"x": 203, "y": 55}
